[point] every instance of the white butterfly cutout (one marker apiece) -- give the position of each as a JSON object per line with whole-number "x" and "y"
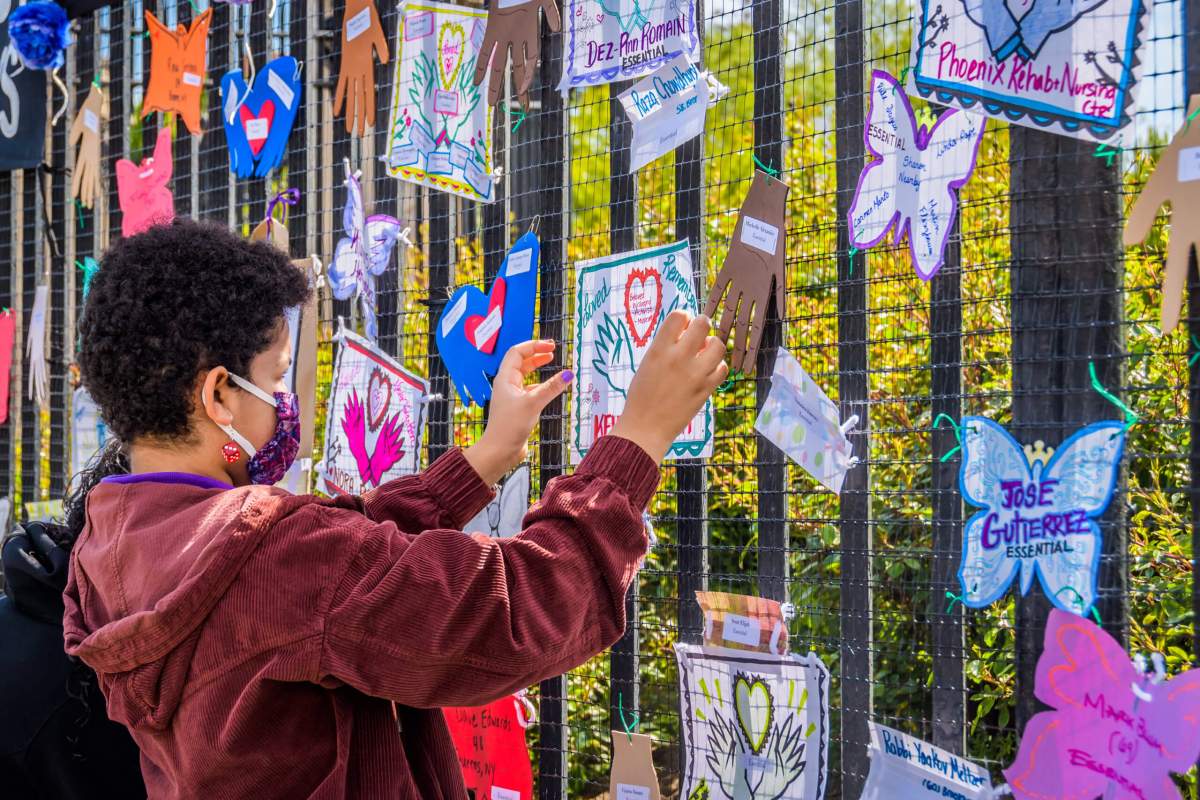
{"x": 502, "y": 517}
{"x": 909, "y": 186}
{"x": 1058, "y": 501}
{"x": 363, "y": 253}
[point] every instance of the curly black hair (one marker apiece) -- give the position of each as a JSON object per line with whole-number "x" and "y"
{"x": 172, "y": 301}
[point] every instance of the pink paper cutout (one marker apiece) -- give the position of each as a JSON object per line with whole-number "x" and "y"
{"x": 1111, "y": 725}
{"x": 143, "y": 188}
{"x": 490, "y": 741}
{"x": 7, "y": 332}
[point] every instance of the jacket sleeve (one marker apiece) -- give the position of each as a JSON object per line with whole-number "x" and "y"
{"x": 446, "y": 495}
{"x": 451, "y": 619}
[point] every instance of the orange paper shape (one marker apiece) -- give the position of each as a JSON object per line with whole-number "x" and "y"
{"x": 743, "y": 622}
{"x": 143, "y": 189}
{"x": 177, "y": 67}
{"x": 1175, "y": 180}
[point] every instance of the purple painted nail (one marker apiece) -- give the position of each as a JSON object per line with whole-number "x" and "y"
{"x": 568, "y": 376}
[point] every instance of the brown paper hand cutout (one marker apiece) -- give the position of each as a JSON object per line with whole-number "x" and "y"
{"x": 85, "y": 134}
{"x": 632, "y": 776}
{"x": 753, "y": 269}
{"x": 513, "y": 27}
{"x": 304, "y": 381}
{"x": 1175, "y": 180}
{"x": 362, "y": 33}
{"x": 177, "y": 63}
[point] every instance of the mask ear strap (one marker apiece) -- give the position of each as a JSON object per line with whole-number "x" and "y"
{"x": 242, "y": 441}
{"x": 252, "y": 389}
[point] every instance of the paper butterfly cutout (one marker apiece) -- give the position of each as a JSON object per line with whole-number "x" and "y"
{"x": 1037, "y": 519}
{"x": 1113, "y": 731}
{"x": 490, "y": 741}
{"x": 363, "y": 253}
{"x": 177, "y": 66}
{"x": 476, "y": 330}
{"x": 910, "y": 185}
{"x": 259, "y": 120}
{"x": 142, "y": 188}
{"x": 502, "y": 517}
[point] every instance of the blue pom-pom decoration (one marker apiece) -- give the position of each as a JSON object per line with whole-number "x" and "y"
{"x": 39, "y": 34}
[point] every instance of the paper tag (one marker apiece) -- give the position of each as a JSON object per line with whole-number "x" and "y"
{"x": 1189, "y": 164}
{"x": 257, "y": 129}
{"x": 500, "y": 793}
{"x": 478, "y": 33}
{"x": 760, "y": 235}
{"x": 491, "y": 323}
{"x": 231, "y": 103}
{"x": 418, "y": 26}
{"x": 519, "y": 262}
{"x": 753, "y": 763}
{"x": 190, "y": 79}
{"x": 91, "y": 121}
{"x": 357, "y": 24}
{"x": 454, "y": 315}
{"x": 478, "y": 179}
{"x": 512, "y": 3}
{"x": 445, "y": 102}
{"x": 279, "y": 86}
{"x": 743, "y": 630}
{"x": 630, "y": 791}
{"x": 439, "y": 163}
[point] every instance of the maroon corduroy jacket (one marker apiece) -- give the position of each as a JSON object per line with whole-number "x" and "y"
{"x": 259, "y": 644}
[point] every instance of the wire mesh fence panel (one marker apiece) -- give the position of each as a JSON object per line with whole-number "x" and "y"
{"x": 1038, "y": 318}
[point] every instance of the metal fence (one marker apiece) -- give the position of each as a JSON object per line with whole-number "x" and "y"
{"x": 1036, "y": 287}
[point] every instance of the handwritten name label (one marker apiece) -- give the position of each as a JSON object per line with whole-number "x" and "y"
{"x": 902, "y": 766}
{"x": 1189, "y": 164}
{"x": 760, "y": 235}
{"x": 740, "y": 629}
{"x": 358, "y": 24}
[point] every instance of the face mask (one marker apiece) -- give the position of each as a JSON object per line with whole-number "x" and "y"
{"x": 270, "y": 463}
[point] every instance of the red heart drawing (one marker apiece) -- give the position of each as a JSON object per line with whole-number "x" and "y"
{"x": 257, "y": 127}
{"x": 492, "y": 322}
{"x": 642, "y": 305}
{"x": 379, "y": 397}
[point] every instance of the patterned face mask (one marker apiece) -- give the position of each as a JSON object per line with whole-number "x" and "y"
{"x": 269, "y": 463}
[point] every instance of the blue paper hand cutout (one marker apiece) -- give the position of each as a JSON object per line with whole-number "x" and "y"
{"x": 476, "y": 330}
{"x": 259, "y": 120}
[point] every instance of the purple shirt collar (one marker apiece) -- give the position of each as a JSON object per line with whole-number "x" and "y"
{"x": 184, "y": 478}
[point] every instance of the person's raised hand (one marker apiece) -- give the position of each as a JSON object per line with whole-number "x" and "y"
{"x": 515, "y": 409}
{"x": 679, "y": 372}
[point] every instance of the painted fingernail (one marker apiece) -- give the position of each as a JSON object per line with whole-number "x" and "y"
{"x": 568, "y": 376}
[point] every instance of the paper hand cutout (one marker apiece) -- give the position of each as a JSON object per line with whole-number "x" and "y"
{"x": 1175, "y": 180}
{"x": 1109, "y": 719}
{"x": 259, "y": 120}
{"x": 476, "y": 330}
{"x": 501, "y": 518}
{"x": 389, "y": 447}
{"x": 362, "y": 33}
{"x": 1037, "y": 518}
{"x": 363, "y": 254}
{"x": 513, "y": 26}
{"x": 85, "y": 134}
{"x": 177, "y": 66}
{"x": 632, "y": 774}
{"x": 910, "y": 185}
{"x": 753, "y": 269}
{"x": 143, "y": 188}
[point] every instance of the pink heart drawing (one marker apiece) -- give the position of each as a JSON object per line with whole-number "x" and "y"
{"x": 643, "y": 303}
{"x": 379, "y": 397}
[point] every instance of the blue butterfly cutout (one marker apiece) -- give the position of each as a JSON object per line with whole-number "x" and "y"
{"x": 258, "y": 122}
{"x": 1037, "y": 519}
{"x": 476, "y": 330}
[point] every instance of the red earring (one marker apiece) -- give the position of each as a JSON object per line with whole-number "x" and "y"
{"x": 231, "y": 452}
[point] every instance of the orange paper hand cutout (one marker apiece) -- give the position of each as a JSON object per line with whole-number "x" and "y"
{"x": 85, "y": 133}
{"x": 1175, "y": 180}
{"x": 177, "y": 66}
{"x": 362, "y": 33}
{"x": 513, "y": 26}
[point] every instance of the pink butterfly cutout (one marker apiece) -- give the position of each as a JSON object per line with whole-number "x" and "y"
{"x": 1112, "y": 727}
{"x": 389, "y": 446}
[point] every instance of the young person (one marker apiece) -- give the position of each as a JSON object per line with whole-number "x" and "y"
{"x": 56, "y": 742}
{"x": 260, "y": 644}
